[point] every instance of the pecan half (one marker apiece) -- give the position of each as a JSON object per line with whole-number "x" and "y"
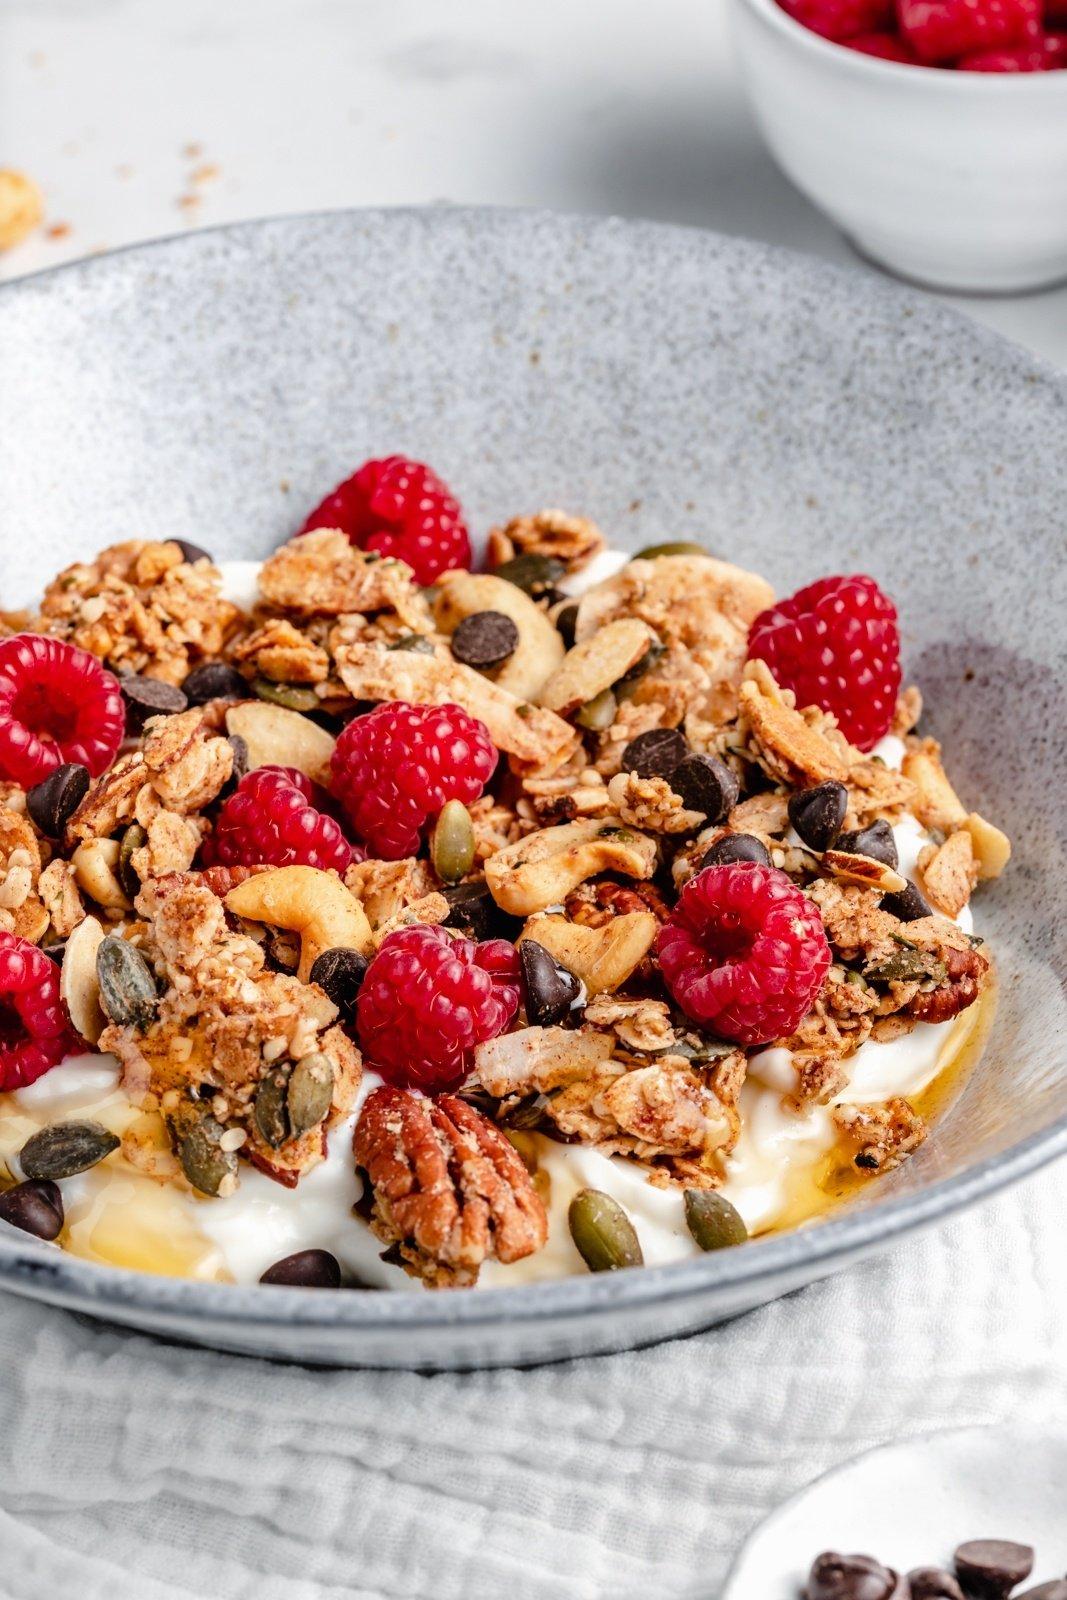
{"x": 448, "y": 1189}
{"x": 966, "y": 971}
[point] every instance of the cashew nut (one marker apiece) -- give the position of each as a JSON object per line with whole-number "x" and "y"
{"x": 540, "y": 648}
{"x": 992, "y": 848}
{"x": 310, "y": 902}
{"x": 937, "y": 805}
{"x": 595, "y": 664}
{"x": 95, "y": 866}
{"x": 542, "y": 869}
{"x": 604, "y": 957}
{"x": 277, "y": 737}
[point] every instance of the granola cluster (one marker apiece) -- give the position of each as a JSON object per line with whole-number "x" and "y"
{"x": 244, "y": 1048}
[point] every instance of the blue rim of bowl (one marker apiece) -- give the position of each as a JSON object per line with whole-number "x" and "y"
{"x": 939, "y": 78}
{"x": 44, "y": 1271}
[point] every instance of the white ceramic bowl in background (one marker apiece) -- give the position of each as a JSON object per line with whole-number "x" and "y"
{"x": 954, "y": 179}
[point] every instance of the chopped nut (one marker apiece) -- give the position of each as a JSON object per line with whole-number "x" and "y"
{"x": 279, "y": 651}
{"x": 595, "y": 664}
{"x": 880, "y": 1136}
{"x": 542, "y": 869}
{"x": 791, "y": 746}
{"x": 936, "y": 803}
{"x": 323, "y": 574}
{"x": 651, "y": 803}
{"x": 949, "y": 872}
{"x": 603, "y": 958}
{"x": 574, "y": 540}
{"x": 537, "y": 1060}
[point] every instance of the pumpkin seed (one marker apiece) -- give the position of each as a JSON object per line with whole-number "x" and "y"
{"x": 270, "y": 1107}
{"x": 310, "y": 1092}
{"x": 671, "y": 547}
{"x": 290, "y": 695}
{"x": 714, "y": 1223}
{"x": 417, "y": 643}
{"x": 66, "y": 1148}
{"x": 534, "y": 575}
{"x": 603, "y": 1233}
{"x": 452, "y": 848}
{"x": 135, "y": 838}
{"x": 203, "y": 1160}
{"x": 907, "y": 965}
{"x": 598, "y": 713}
{"x": 127, "y": 987}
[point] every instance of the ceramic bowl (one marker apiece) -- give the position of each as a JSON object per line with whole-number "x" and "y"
{"x": 668, "y": 382}
{"x": 953, "y": 179}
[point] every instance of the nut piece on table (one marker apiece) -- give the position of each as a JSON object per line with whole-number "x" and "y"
{"x": 604, "y": 957}
{"x": 542, "y": 869}
{"x": 281, "y": 738}
{"x": 540, "y": 648}
{"x": 310, "y": 902}
{"x": 594, "y": 665}
{"x": 449, "y": 1190}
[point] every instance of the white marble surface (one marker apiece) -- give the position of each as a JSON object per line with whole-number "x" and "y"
{"x": 605, "y": 105}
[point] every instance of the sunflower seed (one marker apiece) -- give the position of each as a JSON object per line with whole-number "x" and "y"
{"x": 452, "y": 845}
{"x": 602, "y": 1232}
{"x": 310, "y": 1092}
{"x": 714, "y": 1223}
{"x": 54, "y": 801}
{"x": 36, "y": 1207}
{"x": 66, "y": 1148}
{"x": 127, "y": 987}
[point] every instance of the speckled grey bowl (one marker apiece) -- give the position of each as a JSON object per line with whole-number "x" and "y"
{"x": 800, "y": 419}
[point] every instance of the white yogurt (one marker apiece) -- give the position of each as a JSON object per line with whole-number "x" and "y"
{"x": 240, "y": 1236}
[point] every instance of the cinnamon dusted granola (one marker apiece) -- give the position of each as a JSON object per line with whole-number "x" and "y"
{"x": 560, "y": 990}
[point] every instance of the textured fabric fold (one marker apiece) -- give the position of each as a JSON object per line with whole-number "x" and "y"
{"x": 136, "y": 1470}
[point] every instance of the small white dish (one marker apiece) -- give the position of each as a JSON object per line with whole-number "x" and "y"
{"x": 911, "y": 1504}
{"x": 957, "y": 180}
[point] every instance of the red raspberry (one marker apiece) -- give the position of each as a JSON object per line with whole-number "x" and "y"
{"x": 34, "y": 1031}
{"x": 840, "y": 19}
{"x": 399, "y": 508}
{"x": 1055, "y": 51}
{"x": 887, "y": 46}
{"x": 428, "y": 999}
{"x": 270, "y": 820}
{"x": 1028, "y": 58}
{"x": 57, "y": 704}
{"x": 394, "y": 769}
{"x": 836, "y": 644}
{"x": 744, "y": 952}
{"x": 941, "y": 30}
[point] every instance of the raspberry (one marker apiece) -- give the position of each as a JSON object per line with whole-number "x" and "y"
{"x": 57, "y": 705}
{"x": 394, "y": 769}
{"x": 34, "y": 1032}
{"x": 887, "y": 46}
{"x": 428, "y": 999}
{"x": 744, "y": 952}
{"x": 840, "y": 19}
{"x": 836, "y": 644}
{"x": 1055, "y": 51}
{"x": 940, "y": 30}
{"x": 1027, "y": 58}
{"x": 399, "y": 508}
{"x": 270, "y": 820}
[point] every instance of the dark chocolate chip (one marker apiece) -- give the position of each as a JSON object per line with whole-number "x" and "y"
{"x": 35, "y": 1206}
{"x": 655, "y": 754}
{"x": 485, "y": 639}
{"x": 707, "y": 785}
{"x": 877, "y": 842}
{"x": 307, "y": 1269}
{"x": 471, "y": 909}
{"x": 239, "y": 747}
{"x": 989, "y": 1569}
{"x": 817, "y": 814}
{"x": 736, "y": 847}
{"x": 837, "y": 1577}
{"x": 909, "y": 905}
{"x": 149, "y": 697}
{"x": 340, "y": 973}
{"x": 215, "y": 680}
{"x": 192, "y": 552}
{"x": 933, "y": 1583}
{"x": 549, "y": 990}
{"x": 1055, "y": 1590}
{"x": 566, "y": 621}
{"x": 52, "y": 802}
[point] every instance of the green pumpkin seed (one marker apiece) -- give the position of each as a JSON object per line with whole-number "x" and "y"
{"x": 603, "y": 1233}
{"x": 598, "y": 713}
{"x": 452, "y": 847}
{"x": 206, "y": 1165}
{"x": 671, "y": 547}
{"x": 270, "y": 1107}
{"x": 417, "y": 643}
{"x": 127, "y": 987}
{"x": 292, "y": 696}
{"x": 66, "y": 1148}
{"x": 714, "y": 1223}
{"x": 135, "y": 838}
{"x": 310, "y": 1092}
{"x": 907, "y": 965}
{"x": 534, "y": 575}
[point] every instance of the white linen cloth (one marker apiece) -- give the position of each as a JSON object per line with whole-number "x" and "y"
{"x": 134, "y": 1470}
